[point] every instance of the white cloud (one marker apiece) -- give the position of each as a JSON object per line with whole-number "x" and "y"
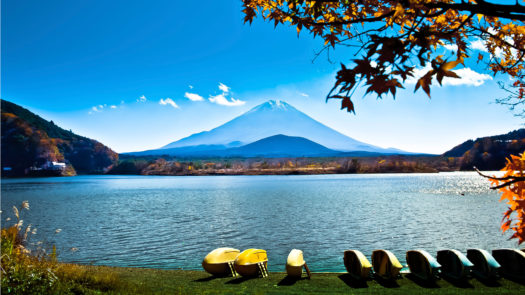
{"x": 97, "y": 108}
{"x": 113, "y": 106}
{"x": 222, "y": 100}
{"x": 451, "y": 47}
{"x": 304, "y": 94}
{"x": 168, "y": 101}
{"x": 224, "y": 88}
{"x": 191, "y": 86}
{"x": 478, "y": 45}
{"x": 468, "y": 77}
{"x": 193, "y": 96}
{"x": 142, "y": 99}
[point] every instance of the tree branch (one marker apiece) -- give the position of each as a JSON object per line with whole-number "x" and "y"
{"x": 516, "y": 11}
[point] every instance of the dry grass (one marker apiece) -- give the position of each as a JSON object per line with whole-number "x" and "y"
{"x": 25, "y": 271}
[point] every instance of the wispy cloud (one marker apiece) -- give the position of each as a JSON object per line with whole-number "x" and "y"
{"x": 142, "y": 98}
{"x": 168, "y": 101}
{"x": 193, "y": 96}
{"x": 222, "y": 100}
{"x": 113, "y": 107}
{"x": 99, "y": 108}
{"x": 304, "y": 94}
{"x": 191, "y": 86}
{"x": 468, "y": 77}
{"x": 224, "y": 88}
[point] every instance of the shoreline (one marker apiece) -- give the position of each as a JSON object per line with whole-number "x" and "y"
{"x": 130, "y": 280}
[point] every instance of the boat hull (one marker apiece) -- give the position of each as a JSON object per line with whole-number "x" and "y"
{"x": 295, "y": 263}
{"x": 248, "y": 262}
{"x": 512, "y": 263}
{"x": 357, "y": 265}
{"x": 422, "y": 265}
{"x": 386, "y": 265}
{"x": 485, "y": 266}
{"x": 454, "y": 264}
{"x": 219, "y": 262}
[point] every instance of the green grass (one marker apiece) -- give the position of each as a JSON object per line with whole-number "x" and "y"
{"x": 156, "y": 281}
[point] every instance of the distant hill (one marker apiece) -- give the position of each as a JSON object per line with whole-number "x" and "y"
{"x": 263, "y": 121}
{"x": 489, "y": 153}
{"x": 271, "y": 147}
{"x": 282, "y": 146}
{"x": 30, "y": 144}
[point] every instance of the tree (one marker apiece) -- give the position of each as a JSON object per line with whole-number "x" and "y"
{"x": 393, "y": 37}
{"x": 512, "y": 186}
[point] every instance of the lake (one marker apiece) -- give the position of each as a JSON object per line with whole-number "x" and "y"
{"x": 172, "y": 222}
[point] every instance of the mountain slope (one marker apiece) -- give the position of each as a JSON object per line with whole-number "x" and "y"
{"x": 273, "y": 146}
{"x": 489, "y": 153}
{"x": 31, "y": 141}
{"x": 282, "y": 146}
{"x": 272, "y": 118}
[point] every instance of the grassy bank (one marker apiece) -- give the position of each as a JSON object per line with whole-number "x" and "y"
{"x": 156, "y": 281}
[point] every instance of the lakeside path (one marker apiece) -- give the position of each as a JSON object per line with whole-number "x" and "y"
{"x": 157, "y": 281}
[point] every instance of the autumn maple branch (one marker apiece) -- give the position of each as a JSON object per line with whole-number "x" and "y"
{"x": 515, "y": 11}
{"x": 508, "y": 179}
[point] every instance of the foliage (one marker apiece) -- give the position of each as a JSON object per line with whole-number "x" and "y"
{"x": 167, "y": 165}
{"x": 22, "y": 273}
{"x": 488, "y": 153}
{"x": 401, "y": 35}
{"x": 33, "y": 271}
{"x": 512, "y": 187}
{"x": 30, "y": 141}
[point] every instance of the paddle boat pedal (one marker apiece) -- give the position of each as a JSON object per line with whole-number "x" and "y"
{"x": 263, "y": 271}
{"x": 232, "y": 269}
{"x": 307, "y": 271}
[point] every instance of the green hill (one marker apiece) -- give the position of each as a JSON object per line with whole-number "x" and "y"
{"x": 30, "y": 144}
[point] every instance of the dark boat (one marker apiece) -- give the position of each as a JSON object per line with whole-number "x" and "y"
{"x": 357, "y": 265}
{"x": 512, "y": 263}
{"x": 423, "y": 265}
{"x": 386, "y": 265}
{"x": 454, "y": 264}
{"x": 485, "y": 266}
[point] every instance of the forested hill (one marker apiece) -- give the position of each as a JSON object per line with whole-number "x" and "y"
{"x": 30, "y": 144}
{"x": 489, "y": 153}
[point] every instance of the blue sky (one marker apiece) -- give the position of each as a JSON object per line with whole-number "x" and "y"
{"x": 123, "y": 72}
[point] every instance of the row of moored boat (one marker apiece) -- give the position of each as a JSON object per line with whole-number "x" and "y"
{"x": 385, "y": 265}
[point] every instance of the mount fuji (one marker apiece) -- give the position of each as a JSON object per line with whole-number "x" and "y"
{"x": 268, "y": 119}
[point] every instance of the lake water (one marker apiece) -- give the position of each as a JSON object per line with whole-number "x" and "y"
{"x": 173, "y": 222}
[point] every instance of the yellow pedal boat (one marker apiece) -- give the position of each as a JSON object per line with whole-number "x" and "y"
{"x": 386, "y": 265}
{"x": 219, "y": 262}
{"x": 295, "y": 264}
{"x": 252, "y": 262}
{"x": 357, "y": 265}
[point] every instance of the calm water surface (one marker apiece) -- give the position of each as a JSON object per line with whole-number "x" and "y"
{"x": 172, "y": 222}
